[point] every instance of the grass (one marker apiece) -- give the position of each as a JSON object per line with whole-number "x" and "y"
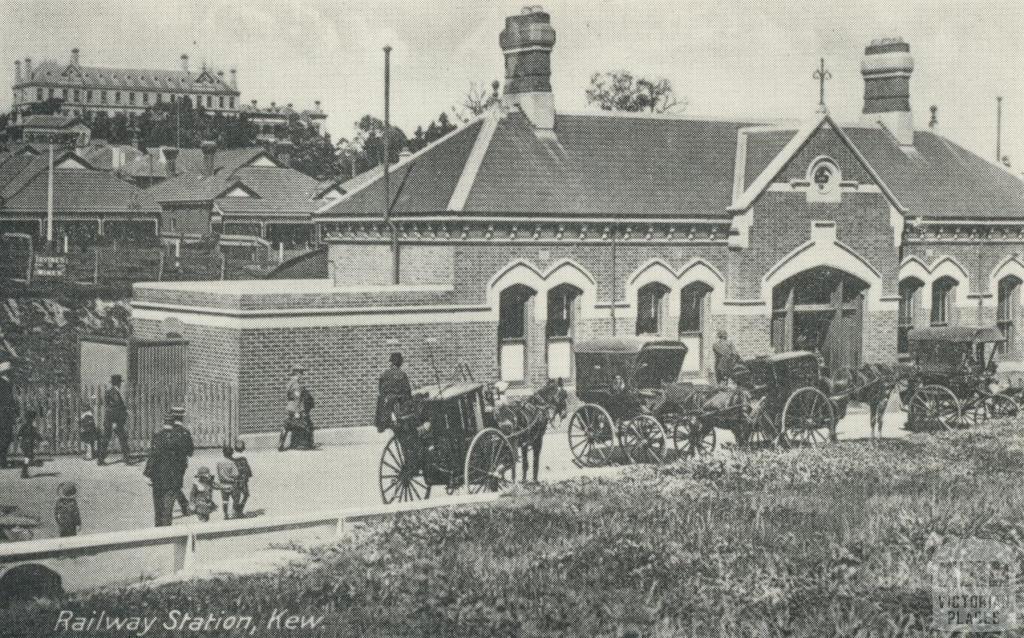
{"x": 833, "y": 541}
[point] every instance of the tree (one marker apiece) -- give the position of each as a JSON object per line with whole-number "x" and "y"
{"x": 477, "y": 100}
{"x": 620, "y": 91}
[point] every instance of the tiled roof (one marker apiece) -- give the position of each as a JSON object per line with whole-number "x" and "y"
{"x": 605, "y": 165}
{"x": 49, "y": 121}
{"x": 74, "y": 190}
{"x": 278, "y": 190}
{"x": 50, "y": 73}
{"x": 190, "y": 185}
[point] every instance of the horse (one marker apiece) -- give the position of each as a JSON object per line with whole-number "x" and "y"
{"x": 525, "y": 421}
{"x": 871, "y": 384}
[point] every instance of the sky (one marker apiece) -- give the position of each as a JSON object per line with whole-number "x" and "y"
{"x": 740, "y": 59}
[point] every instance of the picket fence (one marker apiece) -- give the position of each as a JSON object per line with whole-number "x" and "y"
{"x": 211, "y": 413}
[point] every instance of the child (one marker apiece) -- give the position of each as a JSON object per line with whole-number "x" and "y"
{"x": 202, "y": 494}
{"x": 227, "y": 478}
{"x": 28, "y": 436}
{"x": 87, "y": 433}
{"x": 242, "y": 482}
{"x": 65, "y": 512}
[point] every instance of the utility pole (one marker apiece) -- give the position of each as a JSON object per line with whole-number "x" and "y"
{"x": 999, "y": 129}
{"x": 387, "y": 165}
{"x": 615, "y": 233}
{"x": 49, "y": 200}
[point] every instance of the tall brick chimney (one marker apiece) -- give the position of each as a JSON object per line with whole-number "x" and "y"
{"x": 17, "y": 71}
{"x": 527, "y": 42}
{"x": 171, "y": 157}
{"x": 74, "y": 56}
{"x": 234, "y": 78}
{"x": 209, "y": 150}
{"x": 28, "y": 68}
{"x": 184, "y": 62}
{"x": 886, "y": 68}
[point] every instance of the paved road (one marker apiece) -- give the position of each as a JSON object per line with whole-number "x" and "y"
{"x": 117, "y": 497}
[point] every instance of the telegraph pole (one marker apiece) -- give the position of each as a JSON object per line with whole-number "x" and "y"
{"x": 387, "y": 165}
{"x": 49, "y": 199}
{"x": 999, "y": 129}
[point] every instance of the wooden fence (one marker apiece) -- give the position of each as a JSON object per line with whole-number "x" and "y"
{"x": 211, "y": 413}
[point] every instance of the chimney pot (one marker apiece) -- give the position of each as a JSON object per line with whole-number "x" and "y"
{"x": 184, "y": 62}
{"x": 886, "y": 67}
{"x": 209, "y": 149}
{"x": 74, "y": 56}
{"x": 171, "y": 157}
{"x": 17, "y": 71}
{"x": 28, "y": 68}
{"x": 527, "y": 42}
{"x": 234, "y": 78}
{"x": 254, "y": 103}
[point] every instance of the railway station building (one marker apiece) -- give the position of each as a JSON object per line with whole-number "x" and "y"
{"x": 527, "y": 230}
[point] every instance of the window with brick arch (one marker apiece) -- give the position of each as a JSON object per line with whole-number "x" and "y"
{"x": 943, "y": 292}
{"x": 650, "y": 308}
{"x": 693, "y": 307}
{"x": 910, "y": 301}
{"x": 1007, "y": 309}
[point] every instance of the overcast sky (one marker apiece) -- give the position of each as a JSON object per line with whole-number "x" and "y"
{"x": 745, "y": 58}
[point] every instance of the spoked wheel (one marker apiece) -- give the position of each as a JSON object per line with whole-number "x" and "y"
{"x": 762, "y": 431}
{"x": 933, "y": 407}
{"x": 808, "y": 418}
{"x": 490, "y": 463}
{"x": 990, "y": 406}
{"x": 400, "y": 477}
{"x": 591, "y": 435}
{"x": 643, "y": 440}
{"x": 690, "y": 437}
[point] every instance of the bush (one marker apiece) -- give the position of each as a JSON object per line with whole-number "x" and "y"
{"x": 833, "y": 541}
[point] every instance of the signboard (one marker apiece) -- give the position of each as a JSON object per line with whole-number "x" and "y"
{"x": 50, "y": 265}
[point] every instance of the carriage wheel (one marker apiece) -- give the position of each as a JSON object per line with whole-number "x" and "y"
{"x": 690, "y": 437}
{"x": 591, "y": 435}
{"x": 400, "y": 479}
{"x": 490, "y": 463}
{"x": 762, "y": 431}
{"x": 808, "y": 418}
{"x": 990, "y": 406}
{"x": 933, "y": 407}
{"x": 643, "y": 440}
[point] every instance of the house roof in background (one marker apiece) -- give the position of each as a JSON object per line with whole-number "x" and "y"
{"x": 51, "y": 73}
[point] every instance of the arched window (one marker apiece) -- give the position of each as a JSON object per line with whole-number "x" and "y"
{"x": 563, "y": 302}
{"x": 513, "y": 325}
{"x": 943, "y": 291}
{"x": 1007, "y": 309}
{"x": 650, "y": 308}
{"x": 910, "y": 301}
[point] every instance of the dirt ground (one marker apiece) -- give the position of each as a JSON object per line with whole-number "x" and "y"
{"x": 117, "y": 496}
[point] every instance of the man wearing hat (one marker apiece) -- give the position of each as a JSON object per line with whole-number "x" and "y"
{"x": 165, "y": 469}
{"x": 393, "y": 388}
{"x": 187, "y": 445}
{"x": 115, "y": 415}
{"x": 294, "y": 408}
{"x": 726, "y": 357}
{"x": 8, "y": 409}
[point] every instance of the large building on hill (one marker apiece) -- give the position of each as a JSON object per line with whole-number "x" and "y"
{"x": 87, "y": 90}
{"x": 527, "y": 230}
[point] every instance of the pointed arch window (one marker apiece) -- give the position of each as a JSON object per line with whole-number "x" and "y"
{"x": 910, "y": 302}
{"x": 943, "y": 292}
{"x": 1007, "y": 311}
{"x": 650, "y": 308}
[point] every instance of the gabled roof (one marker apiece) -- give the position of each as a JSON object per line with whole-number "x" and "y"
{"x": 190, "y": 185}
{"x": 276, "y": 191}
{"x": 83, "y": 189}
{"x": 606, "y": 165}
{"x": 50, "y": 73}
{"x": 49, "y": 121}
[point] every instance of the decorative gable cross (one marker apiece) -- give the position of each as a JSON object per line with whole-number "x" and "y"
{"x": 821, "y": 75}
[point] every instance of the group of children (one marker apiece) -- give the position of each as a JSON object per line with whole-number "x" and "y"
{"x": 232, "y": 481}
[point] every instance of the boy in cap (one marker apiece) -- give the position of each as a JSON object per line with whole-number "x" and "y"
{"x": 392, "y": 388}
{"x": 294, "y": 391}
{"x": 241, "y": 494}
{"x": 202, "y": 494}
{"x": 87, "y": 432}
{"x": 65, "y": 511}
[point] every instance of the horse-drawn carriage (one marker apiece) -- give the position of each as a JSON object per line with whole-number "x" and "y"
{"x": 952, "y": 382}
{"x": 781, "y": 398}
{"x": 621, "y": 382}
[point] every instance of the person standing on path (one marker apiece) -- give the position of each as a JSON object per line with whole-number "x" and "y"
{"x": 393, "y": 388}
{"x": 165, "y": 469}
{"x": 8, "y": 410}
{"x": 188, "y": 446}
{"x": 293, "y": 421}
{"x": 726, "y": 357}
{"x": 115, "y": 416}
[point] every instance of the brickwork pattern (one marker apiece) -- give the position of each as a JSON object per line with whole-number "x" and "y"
{"x": 213, "y": 353}
{"x": 242, "y": 295}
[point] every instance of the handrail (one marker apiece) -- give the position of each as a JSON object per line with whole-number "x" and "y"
{"x": 187, "y": 536}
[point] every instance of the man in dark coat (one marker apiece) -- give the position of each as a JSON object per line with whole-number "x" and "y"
{"x": 165, "y": 469}
{"x": 393, "y": 388}
{"x": 188, "y": 446}
{"x": 294, "y": 407}
{"x": 115, "y": 416}
{"x": 8, "y": 411}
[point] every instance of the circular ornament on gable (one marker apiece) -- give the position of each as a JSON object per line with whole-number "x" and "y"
{"x": 824, "y": 175}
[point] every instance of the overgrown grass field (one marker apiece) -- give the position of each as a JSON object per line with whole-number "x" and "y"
{"x": 832, "y": 541}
